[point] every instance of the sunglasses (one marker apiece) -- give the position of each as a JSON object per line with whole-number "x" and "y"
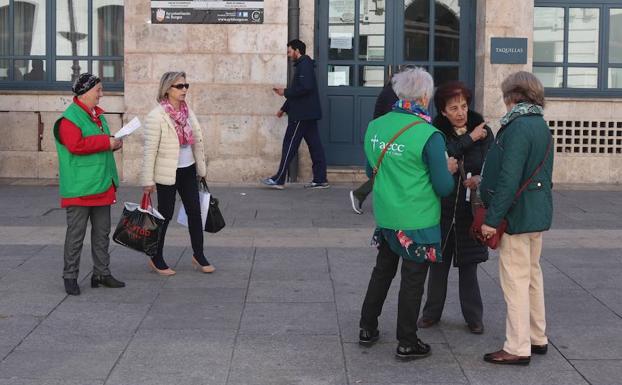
{"x": 181, "y": 86}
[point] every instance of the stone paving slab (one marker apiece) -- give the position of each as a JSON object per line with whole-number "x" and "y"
{"x": 48, "y": 363}
{"x": 363, "y": 365}
{"x": 47, "y": 381}
{"x": 599, "y": 372}
{"x": 287, "y": 359}
{"x": 174, "y": 357}
{"x": 284, "y": 303}
{"x": 289, "y": 318}
{"x": 165, "y": 316}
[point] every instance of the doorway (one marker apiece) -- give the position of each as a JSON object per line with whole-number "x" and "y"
{"x": 361, "y": 43}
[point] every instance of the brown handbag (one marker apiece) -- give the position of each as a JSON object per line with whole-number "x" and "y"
{"x": 480, "y": 212}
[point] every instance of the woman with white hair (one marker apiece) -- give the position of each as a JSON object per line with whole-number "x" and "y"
{"x": 412, "y": 172}
{"x": 173, "y": 158}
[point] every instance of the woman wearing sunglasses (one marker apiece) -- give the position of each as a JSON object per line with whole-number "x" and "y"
{"x": 173, "y": 157}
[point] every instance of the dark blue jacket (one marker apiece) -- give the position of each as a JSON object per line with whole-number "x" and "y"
{"x": 303, "y": 99}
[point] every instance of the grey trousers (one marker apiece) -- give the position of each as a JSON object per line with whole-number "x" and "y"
{"x": 77, "y": 218}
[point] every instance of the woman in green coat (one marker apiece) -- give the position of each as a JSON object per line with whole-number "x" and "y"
{"x": 522, "y": 155}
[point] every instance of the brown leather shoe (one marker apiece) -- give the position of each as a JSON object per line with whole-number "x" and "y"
{"x": 539, "y": 349}
{"x": 504, "y": 358}
{"x": 425, "y": 323}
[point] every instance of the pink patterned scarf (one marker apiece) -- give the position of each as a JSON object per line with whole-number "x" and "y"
{"x": 180, "y": 118}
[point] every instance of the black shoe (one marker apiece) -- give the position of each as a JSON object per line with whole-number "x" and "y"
{"x": 539, "y": 349}
{"x": 71, "y": 286}
{"x": 368, "y": 337}
{"x": 476, "y": 328}
{"x": 315, "y": 186}
{"x": 420, "y": 350}
{"x": 105, "y": 280}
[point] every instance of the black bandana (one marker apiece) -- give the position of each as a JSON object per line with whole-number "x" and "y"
{"x": 84, "y": 83}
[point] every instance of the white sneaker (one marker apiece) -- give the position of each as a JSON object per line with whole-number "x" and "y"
{"x": 272, "y": 183}
{"x": 314, "y": 185}
{"x": 356, "y": 204}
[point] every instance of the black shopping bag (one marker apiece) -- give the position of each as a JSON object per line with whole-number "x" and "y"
{"x": 214, "y": 221}
{"x": 140, "y": 227}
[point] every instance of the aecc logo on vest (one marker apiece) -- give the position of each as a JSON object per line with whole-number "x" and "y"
{"x": 394, "y": 148}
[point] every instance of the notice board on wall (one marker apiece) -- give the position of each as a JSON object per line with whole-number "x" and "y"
{"x": 207, "y": 12}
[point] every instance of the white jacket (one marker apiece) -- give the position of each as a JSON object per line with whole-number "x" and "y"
{"x": 161, "y": 151}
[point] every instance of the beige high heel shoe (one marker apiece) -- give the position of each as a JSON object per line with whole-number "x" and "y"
{"x": 203, "y": 269}
{"x": 165, "y": 272}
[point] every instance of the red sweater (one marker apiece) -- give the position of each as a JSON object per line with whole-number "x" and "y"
{"x": 71, "y": 137}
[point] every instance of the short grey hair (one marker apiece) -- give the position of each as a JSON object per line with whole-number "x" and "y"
{"x": 167, "y": 80}
{"x": 413, "y": 84}
{"x": 523, "y": 86}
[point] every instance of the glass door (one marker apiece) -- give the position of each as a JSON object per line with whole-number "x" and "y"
{"x": 438, "y": 35}
{"x": 355, "y": 54}
{"x": 362, "y": 42}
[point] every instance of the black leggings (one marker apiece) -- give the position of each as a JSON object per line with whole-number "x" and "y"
{"x": 187, "y": 187}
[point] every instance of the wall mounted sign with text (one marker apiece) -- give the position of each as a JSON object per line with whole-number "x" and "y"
{"x": 207, "y": 12}
{"x": 508, "y": 50}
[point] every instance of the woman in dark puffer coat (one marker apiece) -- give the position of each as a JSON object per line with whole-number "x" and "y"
{"x": 468, "y": 139}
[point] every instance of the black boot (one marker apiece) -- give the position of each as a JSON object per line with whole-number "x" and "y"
{"x": 71, "y": 286}
{"x": 105, "y": 280}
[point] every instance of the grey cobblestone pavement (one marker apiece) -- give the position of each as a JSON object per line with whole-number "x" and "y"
{"x": 282, "y": 307}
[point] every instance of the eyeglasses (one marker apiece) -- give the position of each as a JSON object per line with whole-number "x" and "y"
{"x": 181, "y": 86}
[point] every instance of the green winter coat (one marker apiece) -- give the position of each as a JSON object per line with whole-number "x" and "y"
{"x": 516, "y": 153}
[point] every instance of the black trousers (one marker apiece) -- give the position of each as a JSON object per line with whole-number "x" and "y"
{"x": 409, "y": 301}
{"x": 470, "y": 298}
{"x": 187, "y": 187}
{"x": 296, "y": 131}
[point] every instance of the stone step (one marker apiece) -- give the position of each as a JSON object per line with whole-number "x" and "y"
{"x": 346, "y": 174}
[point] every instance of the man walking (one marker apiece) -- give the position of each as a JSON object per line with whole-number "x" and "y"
{"x": 88, "y": 181}
{"x": 302, "y": 106}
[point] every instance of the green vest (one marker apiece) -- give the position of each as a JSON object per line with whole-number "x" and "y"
{"x": 83, "y": 175}
{"x": 404, "y": 198}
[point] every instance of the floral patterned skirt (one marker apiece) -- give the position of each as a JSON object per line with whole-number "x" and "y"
{"x": 403, "y": 244}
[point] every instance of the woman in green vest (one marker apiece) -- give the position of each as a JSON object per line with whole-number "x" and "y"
{"x": 522, "y": 155}
{"x": 415, "y": 172}
{"x": 88, "y": 181}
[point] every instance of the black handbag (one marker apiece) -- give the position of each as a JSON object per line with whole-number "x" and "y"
{"x": 140, "y": 227}
{"x": 215, "y": 221}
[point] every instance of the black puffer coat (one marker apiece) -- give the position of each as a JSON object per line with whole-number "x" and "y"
{"x": 456, "y": 238}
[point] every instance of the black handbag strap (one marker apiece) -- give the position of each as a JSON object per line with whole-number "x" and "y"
{"x": 203, "y": 184}
{"x": 384, "y": 150}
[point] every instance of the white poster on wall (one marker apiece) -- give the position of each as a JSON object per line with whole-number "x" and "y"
{"x": 339, "y": 76}
{"x": 341, "y": 40}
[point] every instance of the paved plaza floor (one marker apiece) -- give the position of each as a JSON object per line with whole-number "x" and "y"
{"x": 282, "y": 307}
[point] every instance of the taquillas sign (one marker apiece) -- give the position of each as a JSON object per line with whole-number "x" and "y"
{"x": 508, "y": 50}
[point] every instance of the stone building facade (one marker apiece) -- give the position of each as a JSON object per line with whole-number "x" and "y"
{"x": 233, "y": 67}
